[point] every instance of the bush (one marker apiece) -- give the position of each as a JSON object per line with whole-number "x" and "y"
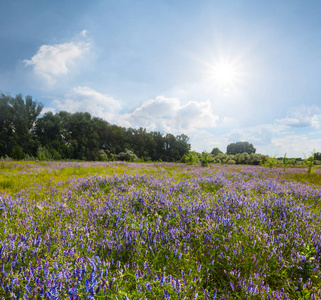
{"x": 43, "y": 153}
{"x": 6, "y": 158}
{"x": 102, "y": 156}
{"x": 231, "y": 162}
{"x": 17, "y": 153}
{"x": 223, "y": 158}
{"x": 309, "y": 162}
{"x": 204, "y": 159}
{"x": 192, "y": 158}
{"x": 55, "y": 154}
{"x": 184, "y": 159}
{"x": 29, "y": 158}
{"x": 128, "y": 155}
{"x": 270, "y": 161}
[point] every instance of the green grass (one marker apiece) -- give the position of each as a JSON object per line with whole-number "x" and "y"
{"x": 310, "y": 179}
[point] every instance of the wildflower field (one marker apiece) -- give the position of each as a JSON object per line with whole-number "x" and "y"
{"x": 71, "y": 230}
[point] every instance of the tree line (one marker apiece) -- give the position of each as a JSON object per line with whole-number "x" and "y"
{"x": 64, "y": 135}
{"x": 25, "y": 133}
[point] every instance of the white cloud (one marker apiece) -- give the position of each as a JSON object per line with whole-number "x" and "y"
{"x": 52, "y": 61}
{"x": 296, "y": 145}
{"x": 196, "y": 115}
{"x": 276, "y": 138}
{"x": 84, "y": 33}
{"x": 302, "y": 116}
{"x": 48, "y": 109}
{"x": 258, "y": 135}
{"x": 85, "y": 99}
{"x": 168, "y": 115}
{"x": 161, "y": 107}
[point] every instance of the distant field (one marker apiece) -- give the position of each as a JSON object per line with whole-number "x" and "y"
{"x": 76, "y": 230}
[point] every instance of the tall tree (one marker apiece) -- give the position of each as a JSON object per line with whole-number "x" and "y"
{"x": 158, "y": 152}
{"x": 182, "y": 145}
{"x": 216, "y": 151}
{"x": 77, "y": 135}
{"x": 6, "y": 125}
{"x": 240, "y": 147}
{"x": 17, "y": 118}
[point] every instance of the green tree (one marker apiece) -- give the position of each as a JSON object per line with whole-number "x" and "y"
{"x": 216, "y": 151}
{"x": 158, "y": 152}
{"x": 77, "y": 135}
{"x": 6, "y": 125}
{"x": 174, "y": 148}
{"x": 317, "y": 156}
{"x": 141, "y": 142}
{"x": 17, "y": 118}
{"x": 17, "y": 153}
{"x": 43, "y": 153}
{"x": 48, "y": 131}
{"x": 182, "y": 144}
{"x": 240, "y": 147}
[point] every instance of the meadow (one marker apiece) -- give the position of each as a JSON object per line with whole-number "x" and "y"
{"x": 115, "y": 230}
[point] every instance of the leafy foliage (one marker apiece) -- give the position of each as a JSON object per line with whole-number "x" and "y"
{"x": 43, "y": 153}
{"x": 192, "y": 158}
{"x": 78, "y": 136}
{"x": 240, "y": 147}
{"x": 17, "y": 118}
{"x": 286, "y": 161}
{"x": 215, "y": 151}
{"x": 309, "y": 162}
{"x": 271, "y": 161}
{"x": 204, "y": 159}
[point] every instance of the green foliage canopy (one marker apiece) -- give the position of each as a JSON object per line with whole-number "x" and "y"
{"x": 17, "y": 118}
{"x": 240, "y": 147}
{"x": 78, "y": 136}
{"x": 216, "y": 151}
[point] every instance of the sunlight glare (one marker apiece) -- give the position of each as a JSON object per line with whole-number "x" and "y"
{"x": 225, "y": 74}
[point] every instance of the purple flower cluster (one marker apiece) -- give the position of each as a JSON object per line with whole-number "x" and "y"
{"x": 219, "y": 234}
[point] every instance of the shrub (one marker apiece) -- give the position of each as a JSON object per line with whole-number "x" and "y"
{"x": 286, "y": 161}
{"x": 6, "y": 158}
{"x": 231, "y": 162}
{"x": 17, "y": 153}
{"x": 102, "y": 156}
{"x": 128, "y": 155}
{"x": 222, "y": 157}
{"x": 184, "y": 159}
{"x": 204, "y": 159}
{"x": 270, "y": 161}
{"x": 192, "y": 158}
{"x": 43, "y": 153}
{"x": 309, "y": 162}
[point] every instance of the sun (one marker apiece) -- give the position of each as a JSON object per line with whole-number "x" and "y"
{"x": 225, "y": 73}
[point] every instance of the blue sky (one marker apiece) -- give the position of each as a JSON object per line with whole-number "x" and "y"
{"x": 218, "y": 71}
